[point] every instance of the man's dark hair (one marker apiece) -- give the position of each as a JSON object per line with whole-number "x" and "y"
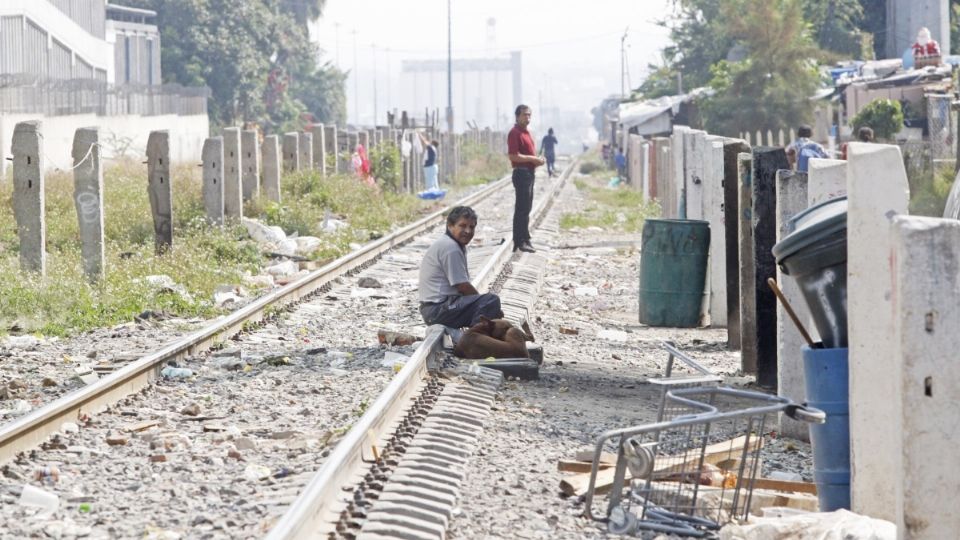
{"x": 805, "y": 131}
{"x": 865, "y": 134}
{"x": 435, "y": 142}
{"x": 520, "y": 109}
{"x": 460, "y": 212}
{"x": 550, "y": 131}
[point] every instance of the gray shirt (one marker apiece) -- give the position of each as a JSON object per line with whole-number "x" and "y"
{"x": 444, "y": 265}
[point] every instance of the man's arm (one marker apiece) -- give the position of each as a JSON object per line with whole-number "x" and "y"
{"x": 516, "y": 158}
{"x": 466, "y": 289}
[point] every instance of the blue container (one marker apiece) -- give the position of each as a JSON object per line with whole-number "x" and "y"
{"x": 826, "y": 372}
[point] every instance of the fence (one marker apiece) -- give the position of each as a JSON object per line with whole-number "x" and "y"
{"x": 29, "y": 94}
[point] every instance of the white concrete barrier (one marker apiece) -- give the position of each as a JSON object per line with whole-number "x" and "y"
{"x": 674, "y": 207}
{"x": 827, "y": 179}
{"x": 713, "y": 210}
{"x": 926, "y": 302}
{"x": 877, "y": 190}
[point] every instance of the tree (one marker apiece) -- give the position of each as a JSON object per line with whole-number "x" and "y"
{"x": 254, "y": 55}
{"x": 883, "y": 116}
{"x": 836, "y": 25}
{"x": 771, "y": 87}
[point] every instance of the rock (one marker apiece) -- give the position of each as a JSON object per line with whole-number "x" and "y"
{"x": 369, "y": 283}
{"x": 289, "y": 434}
{"x": 228, "y": 294}
{"x": 255, "y": 472}
{"x": 16, "y": 384}
{"x": 235, "y": 454}
{"x": 569, "y": 331}
{"x": 191, "y": 410}
{"x": 69, "y": 427}
{"x": 259, "y": 281}
{"x": 270, "y": 237}
{"x": 386, "y": 337}
{"x": 158, "y": 458}
{"x": 234, "y": 352}
{"x": 116, "y": 439}
{"x": 306, "y": 245}
{"x": 49, "y": 382}
{"x": 165, "y": 284}
{"x": 281, "y": 269}
{"x": 245, "y": 443}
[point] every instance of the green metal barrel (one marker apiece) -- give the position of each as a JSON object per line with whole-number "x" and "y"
{"x": 673, "y": 267}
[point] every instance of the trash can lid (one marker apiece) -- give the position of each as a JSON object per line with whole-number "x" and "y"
{"x": 811, "y": 226}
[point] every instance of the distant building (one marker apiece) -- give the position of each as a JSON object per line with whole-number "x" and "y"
{"x": 79, "y": 63}
{"x": 79, "y": 39}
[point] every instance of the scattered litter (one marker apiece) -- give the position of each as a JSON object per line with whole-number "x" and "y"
{"x": 433, "y": 194}
{"x": 40, "y": 498}
{"x": 785, "y": 476}
{"x": 569, "y": 331}
{"x": 306, "y": 245}
{"x": 228, "y": 294}
{"x": 69, "y": 428}
{"x": 262, "y": 280}
{"x": 256, "y": 472}
{"x": 392, "y": 359}
{"x": 387, "y": 337}
{"x": 171, "y": 372}
{"x": 284, "y": 268}
{"x": 612, "y": 335}
{"x": 270, "y": 237}
{"x": 48, "y": 474}
{"x": 810, "y": 526}
{"x": 586, "y": 291}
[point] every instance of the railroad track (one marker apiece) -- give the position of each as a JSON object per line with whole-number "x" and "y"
{"x": 160, "y": 428}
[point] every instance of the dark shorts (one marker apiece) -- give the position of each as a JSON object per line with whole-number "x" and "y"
{"x": 462, "y": 311}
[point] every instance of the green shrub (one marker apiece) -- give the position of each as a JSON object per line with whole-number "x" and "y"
{"x": 386, "y": 166}
{"x": 884, "y": 116}
{"x": 590, "y": 167}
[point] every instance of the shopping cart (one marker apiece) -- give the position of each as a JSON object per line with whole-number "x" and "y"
{"x": 693, "y": 470}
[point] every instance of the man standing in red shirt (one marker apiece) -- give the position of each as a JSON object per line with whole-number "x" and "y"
{"x": 522, "y": 153}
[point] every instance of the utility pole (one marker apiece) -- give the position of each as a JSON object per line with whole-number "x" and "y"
{"x": 356, "y": 83}
{"x": 449, "y": 70}
{"x": 336, "y": 41}
{"x": 389, "y": 108}
{"x": 376, "y": 112}
{"x": 623, "y": 63}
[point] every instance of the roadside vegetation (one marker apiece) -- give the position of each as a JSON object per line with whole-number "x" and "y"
{"x": 202, "y": 258}
{"x": 616, "y": 208}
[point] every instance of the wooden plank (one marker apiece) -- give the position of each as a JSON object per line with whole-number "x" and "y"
{"x": 572, "y": 465}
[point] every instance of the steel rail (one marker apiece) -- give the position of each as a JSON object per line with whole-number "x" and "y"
{"x": 31, "y": 430}
{"x": 316, "y": 509}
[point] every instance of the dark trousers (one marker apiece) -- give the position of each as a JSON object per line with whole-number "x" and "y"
{"x": 551, "y": 159}
{"x": 462, "y": 311}
{"x": 523, "y": 184}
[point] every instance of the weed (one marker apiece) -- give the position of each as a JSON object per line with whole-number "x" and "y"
{"x": 617, "y": 209}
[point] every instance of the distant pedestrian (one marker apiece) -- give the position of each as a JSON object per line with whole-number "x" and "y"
{"x": 522, "y": 153}
{"x": 864, "y": 134}
{"x": 431, "y": 169}
{"x": 801, "y": 150}
{"x": 621, "y": 161}
{"x": 361, "y": 165}
{"x": 548, "y": 149}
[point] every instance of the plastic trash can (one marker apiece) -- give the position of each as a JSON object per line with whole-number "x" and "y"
{"x": 826, "y": 372}
{"x": 815, "y": 255}
{"x": 673, "y": 267}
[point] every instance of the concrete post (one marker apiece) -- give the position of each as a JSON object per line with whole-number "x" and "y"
{"x": 331, "y": 147}
{"x": 319, "y": 148}
{"x": 877, "y": 190}
{"x": 676, "y": 202}
{"x": 634, "y": 162}
{"x": 732, "y": 149}
{"x": 827, "y": 180}
{"x": 363, "y": 138}
{"x": 291, "y": 152}
{"x": 232, "y": 177}
{"x": 694, "y": 142}
{"x": 271, "y": 168}
{"x": 663, "y": 167}
{"x": 88, "y": 197}
{"x": 713, "y": 210}
{"x": 213, "y": 185}
{"x": 347, "y": 142}
{"x": 305, "y": 147}
{"x": 763, "y": 210}
{"x": 791, "y": 200}
{"x": 28, "y": 196}
{"x": 747, "y": 266}
{"x": 926, "y": 302}
{"x": 250, "y": 161}
{"x": 160, "y": 188}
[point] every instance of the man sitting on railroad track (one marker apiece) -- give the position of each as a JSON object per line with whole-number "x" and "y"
{"x": 446, "y": 295}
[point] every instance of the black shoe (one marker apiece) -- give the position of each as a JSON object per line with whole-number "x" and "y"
{"x": 527, "y": 247}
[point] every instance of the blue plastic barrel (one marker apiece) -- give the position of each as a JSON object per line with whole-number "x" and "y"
{"x": 826, "y": 372}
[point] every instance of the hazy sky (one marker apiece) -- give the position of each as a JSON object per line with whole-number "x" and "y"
{"x": 571, "y": 49}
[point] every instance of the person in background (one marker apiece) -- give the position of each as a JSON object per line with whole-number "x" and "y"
{"x": 446, "y": 295}
{"x": 621, "y": 161}
{"x": 431, "y": 170}
{"x": 864, "y": 134}
{"x": 548, "y": 148}
{"x": 801, "y": 150}
{"x": 521, "y": 151}
{"x": 361, "y": 165}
